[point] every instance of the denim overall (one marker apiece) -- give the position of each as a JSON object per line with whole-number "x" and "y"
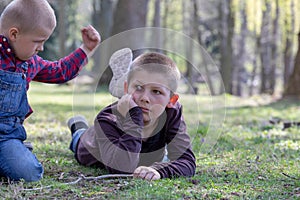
{"x": 16, "y": 161}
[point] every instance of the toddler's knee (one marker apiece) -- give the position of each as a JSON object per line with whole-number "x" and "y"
{"x": 30, "y": 172}
{"x": 34, "y": 174}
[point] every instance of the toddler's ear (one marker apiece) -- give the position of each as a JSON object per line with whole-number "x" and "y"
{"x": 173, "y": 101}
{"x": 13, "y": 33}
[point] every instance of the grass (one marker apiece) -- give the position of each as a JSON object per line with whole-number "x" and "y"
{"x": 247, "y": 158}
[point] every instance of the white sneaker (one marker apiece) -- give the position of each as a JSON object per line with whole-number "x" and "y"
{"x": 119, "y": 63}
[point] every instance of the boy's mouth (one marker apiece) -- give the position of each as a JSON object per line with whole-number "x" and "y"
{"x": 146, "y": 110}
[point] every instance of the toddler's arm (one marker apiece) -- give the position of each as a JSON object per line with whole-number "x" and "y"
{"x": 66, "y": 68}
{"x": 90, "y": 38}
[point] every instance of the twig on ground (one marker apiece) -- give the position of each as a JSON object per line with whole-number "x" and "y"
{"x": 290, "y": 176}
{"x": 82, "y": 177}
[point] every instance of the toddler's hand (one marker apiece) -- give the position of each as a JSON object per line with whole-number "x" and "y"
{"x": 146, "y": 173}
{"x": 125, "y": 104}
{"x": 90, "y": 38}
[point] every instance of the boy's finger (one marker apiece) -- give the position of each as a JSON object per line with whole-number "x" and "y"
{"x": 137, "y": 170}
{"x": 149, "y": 176}
{"x": 142, "y": 174}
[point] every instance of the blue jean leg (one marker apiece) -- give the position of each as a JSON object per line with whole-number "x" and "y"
{"x": 17, "y": 162}
{"x": 75, "y": 138}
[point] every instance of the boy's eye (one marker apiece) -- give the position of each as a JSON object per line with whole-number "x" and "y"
{"x": 157, "y": 92}
{"x": 39, "y": 41}
{"x": 138, "y": 87}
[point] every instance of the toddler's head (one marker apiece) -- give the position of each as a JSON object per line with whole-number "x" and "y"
{"x": 27, "y": 16}
{"x": 27, "y": 24}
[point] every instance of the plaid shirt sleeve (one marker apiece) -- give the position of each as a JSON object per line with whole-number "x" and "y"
{"x": 59, "y": 71}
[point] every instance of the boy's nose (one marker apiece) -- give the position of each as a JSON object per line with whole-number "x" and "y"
{"x": 40, "y": 48}
{"x": 145, "y": 97}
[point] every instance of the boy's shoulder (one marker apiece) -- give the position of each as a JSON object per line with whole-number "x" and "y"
{"x": 174, "y": 113}
{"x": 176, "y": 107}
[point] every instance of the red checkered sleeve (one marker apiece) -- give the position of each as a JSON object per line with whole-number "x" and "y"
{"x": 59, "y": 71}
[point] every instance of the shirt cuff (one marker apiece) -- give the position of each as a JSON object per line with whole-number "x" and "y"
{"x": 88, "y": 52}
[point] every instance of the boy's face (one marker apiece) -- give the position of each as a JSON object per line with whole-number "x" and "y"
{"x": 151, "y": 93}
{"x": 26, "y": 45}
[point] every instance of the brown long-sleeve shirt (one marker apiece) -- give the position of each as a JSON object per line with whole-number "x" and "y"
{"x": 115, "y": 143}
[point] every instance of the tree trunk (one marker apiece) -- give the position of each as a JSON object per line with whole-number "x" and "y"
{"x": 239, "y": 73}
{"x": 102, "y": 19}
{"x": 288, "y": 53}
{"x": 207, "y": 74}
{"x": 266, "y": 50}
{"x": 226, "y": 34}
{"x": 253, "y": 82}
{"x": 127, "y": 15}
{"x": 157, "y": 14}
{"x": 189, "y": 22}
{"x": 157, "y": 23}
{"x": 62, "y": 27}
{"x": 276, "y": 57}
{"x": 293, "y": 89}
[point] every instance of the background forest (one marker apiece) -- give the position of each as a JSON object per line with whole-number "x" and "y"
{"x": 253, "y": 43}
{"x": 253, "y": 48}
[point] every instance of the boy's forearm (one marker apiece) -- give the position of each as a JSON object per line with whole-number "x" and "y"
{"x": 59, "y": 71}
{"x": 120, "y": 155}
{"x": 185, "y": 166}
{"x": 119, "y": 151}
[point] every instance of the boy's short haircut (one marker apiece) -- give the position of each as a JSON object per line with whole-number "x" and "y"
{"x": 27, "y": 16}
{"x": 157, "y": 63}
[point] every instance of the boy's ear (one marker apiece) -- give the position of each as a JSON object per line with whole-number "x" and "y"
{"x": 125, "y": 87}
{"x": 173, "y": 101}
{"x": 13, "y": 34}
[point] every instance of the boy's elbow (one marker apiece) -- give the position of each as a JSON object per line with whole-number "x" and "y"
{"x": 124, "y": 164}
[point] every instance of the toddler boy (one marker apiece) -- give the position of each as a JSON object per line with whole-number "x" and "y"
{"x": 25, "y": 25}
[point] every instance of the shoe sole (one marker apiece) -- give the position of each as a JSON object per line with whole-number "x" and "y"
{"x": 119, "y": 63}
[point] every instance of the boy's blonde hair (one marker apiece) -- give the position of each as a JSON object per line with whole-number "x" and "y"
{"x": 157, "y": 63}
{"x": 27, "y": 16}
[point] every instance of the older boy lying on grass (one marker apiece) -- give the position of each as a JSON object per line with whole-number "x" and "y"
{"x": 130, "y": 135}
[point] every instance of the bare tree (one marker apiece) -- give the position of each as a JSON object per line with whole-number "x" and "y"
{"x": 289, "y": 22}
{"x": 239, "y": 73}
{"x": 275, "y": 46}
{"x": 127, "y": 15}
{"x": 254, "y": 60}
{"x": 156, "y": 22}
{"x": 293, "y": 89}
{"x": 226, "y": 35}
{"x": 269, "y": 45}
{"x": 62, "y": 27}
{"x": 190, "y": 23}
{"x": 157, "y": 14}
{"x": 102, "y": 16}
{"x": 266, "y": 50}
{"x": 102, "y": 19}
